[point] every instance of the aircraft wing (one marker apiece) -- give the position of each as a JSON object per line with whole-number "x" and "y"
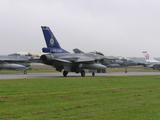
{"x": 156, "y": 66}
{"x": 75, "y": 59}
{"x": 150, "y": 65}
{"x": 113, "y": 65}
{"x": 14, "y": 58}
{"x": 91, "y": 59}
{"x": 70, "y": 60}
{"x": 18, "y": 58}
{"x": 84, "y": 59}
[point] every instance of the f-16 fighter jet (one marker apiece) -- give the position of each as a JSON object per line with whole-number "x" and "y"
{"x": 68, "y": 62}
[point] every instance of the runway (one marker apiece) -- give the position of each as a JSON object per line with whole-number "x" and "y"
{"x": 57, "y": 74}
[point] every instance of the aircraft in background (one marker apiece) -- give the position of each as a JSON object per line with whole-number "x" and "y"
{"x": 151, "y": 62}
{"x": 70, "y": 62}
{"x": 123, "y": 62}
{"x": 18, "y": 61}
{"x": 113, "y": 63}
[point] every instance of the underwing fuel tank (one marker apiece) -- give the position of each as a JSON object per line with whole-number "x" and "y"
{"x": 92, "y": 66}
{"x": 13, "y": 67}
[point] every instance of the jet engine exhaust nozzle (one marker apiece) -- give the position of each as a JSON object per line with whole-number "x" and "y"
{"x": 46, "y": 59}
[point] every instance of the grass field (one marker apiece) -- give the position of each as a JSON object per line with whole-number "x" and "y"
{"x": 80, "y": 98}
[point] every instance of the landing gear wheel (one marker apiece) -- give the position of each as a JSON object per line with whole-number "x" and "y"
{"x": 65, "y": 73}
{"x": 93, "y": 73}
{"x": 126, "y": 68}
{"x": 104, "y": 71}
{"x": 25, "y": 72}
{"x": 83, "y": 73}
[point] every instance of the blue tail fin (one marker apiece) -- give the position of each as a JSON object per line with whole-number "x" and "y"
{"x": 51, "y": 42}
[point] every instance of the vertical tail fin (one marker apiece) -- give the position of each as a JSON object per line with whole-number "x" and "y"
{"x": 53, "y": 45}
{"x": 148, "y": 57}
{"x": 76, "y": 50}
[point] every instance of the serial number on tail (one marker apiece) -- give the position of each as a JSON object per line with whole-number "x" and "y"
{"x": 56, "y": 50}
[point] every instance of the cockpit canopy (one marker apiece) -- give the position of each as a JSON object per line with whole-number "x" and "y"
{"x": 97, "y": 52}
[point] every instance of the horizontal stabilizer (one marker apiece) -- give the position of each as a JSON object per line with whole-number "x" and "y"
{"x": 62, "y": 60}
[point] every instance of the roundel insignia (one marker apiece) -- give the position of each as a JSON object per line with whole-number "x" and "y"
{"x": 51, "y": 41}
{"x": 147, "y": 56}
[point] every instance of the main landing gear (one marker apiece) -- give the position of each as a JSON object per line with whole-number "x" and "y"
{"x": 93, "y": 73}
{"x": 83, "y": 73}
{"x": 126, "y": 69}
{"x": 65, "y": 73}
{"x": 25, "y": 71}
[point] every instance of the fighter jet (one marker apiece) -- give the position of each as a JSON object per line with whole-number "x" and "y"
{"x": 18, "y": 61}
{"x": 116, "y": 62}
{"x": 123, "y": 62}
{"x": 151, "y": 62}
{"x": 70, "y": 62}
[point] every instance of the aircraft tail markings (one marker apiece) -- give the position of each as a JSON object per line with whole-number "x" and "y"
{"x": 53, "y": 45}
{"x": 148, "y": 57}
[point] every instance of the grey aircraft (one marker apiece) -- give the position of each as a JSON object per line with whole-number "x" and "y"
{"x": 70, "y": 62}
{"x": 151, "y": 62}
{"x": 116, "y": 62}
{"x": 122, "y": 62}
{"x": 18, "y": 61}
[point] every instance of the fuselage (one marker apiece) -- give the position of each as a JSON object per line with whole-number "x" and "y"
{"x": 14, "y": 62}
{"x": 73, "y": 62}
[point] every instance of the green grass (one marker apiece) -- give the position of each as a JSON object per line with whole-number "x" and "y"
{"x": 77, "y": 98}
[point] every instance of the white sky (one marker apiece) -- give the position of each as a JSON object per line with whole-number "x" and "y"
{"x": 114, "y": 27}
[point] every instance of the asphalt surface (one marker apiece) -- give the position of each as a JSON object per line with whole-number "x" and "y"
{"x": 57, "y": 74}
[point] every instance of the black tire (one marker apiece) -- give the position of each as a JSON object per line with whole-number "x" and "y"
{"x": 83, "y": 73}
{"x": 65, "y": 73}
{"x": 104, "y": 71}
{"x": 93, "y": 73}
{"x": 25, "y": 71}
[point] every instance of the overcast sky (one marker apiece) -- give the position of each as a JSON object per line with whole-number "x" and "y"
{"x": 114, "y": 27}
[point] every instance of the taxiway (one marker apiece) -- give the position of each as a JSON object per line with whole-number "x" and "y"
{"x": 56, "y": 74}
